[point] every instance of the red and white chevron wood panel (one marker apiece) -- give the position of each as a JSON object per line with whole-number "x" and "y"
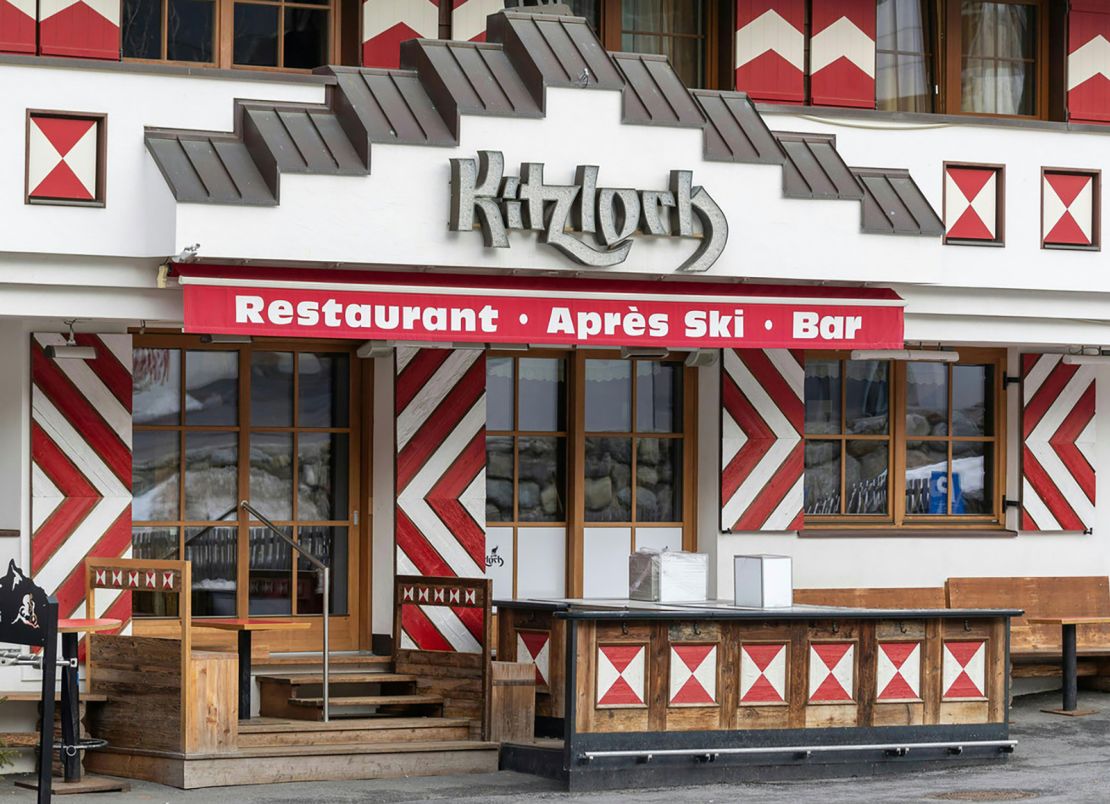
{"x": 762, "y": 454}
{"x": 17, "y": 26}
{"x": 1058, "y": 444}
{"x": 63, "y": 157}
{"x": 84, "y": 29}
{"x": 468, "y": 18}
{"x": 440, "y": 406}
{"x": 971, "y": 203}
{"x": 80, "y": 467}
{"x": 1089, "y": 61}
{"x": 388, "y": 23}
{"x": 770, "y": 49}
{"x": 1068, "y": 203}
{"x": 842, "y": 53}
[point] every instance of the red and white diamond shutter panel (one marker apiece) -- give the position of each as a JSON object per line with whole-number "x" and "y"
{"x": 535, "y": 647}
{"x": 970, "y": 203}
{"x": 388, "y": 23}
{"x": 898, "y": 674}
{"x": 693, "y": 675}
{"x": 17, "y": 26}
{"x": 440, "y": 404}
{"x": 62, "y": 154}
{"x": 1057, "y": 455}
{"x": 964, "y": 671}
{"x": 831, "y": 672}
{"x": 770, "y": 49}
{"x": 620, "y": 675}
{"x": 842, "y": 53}
{"x": 84, "y": 29}
{"x": 1089, "y": 61}
{"x": 468, "y": 18}
{"x": 762, "y": 458}
{"x": 80, "y": 467}
{"x": 763, "y": 673}
{"x": 1067, "y": 208}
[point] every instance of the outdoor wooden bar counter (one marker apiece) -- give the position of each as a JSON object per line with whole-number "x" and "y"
{"x": 683, "y": 693}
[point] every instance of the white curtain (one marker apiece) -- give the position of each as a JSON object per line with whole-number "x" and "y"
{"x": 993, "y": 34}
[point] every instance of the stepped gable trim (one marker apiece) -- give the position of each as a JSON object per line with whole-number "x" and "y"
{"x": 440, "y": 81}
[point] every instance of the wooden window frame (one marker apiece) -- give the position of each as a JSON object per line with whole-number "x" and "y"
{"x": 716, "y": 20}
{"x": 932, "y": 44}
{"x": 896, "y": 517}
{"x": 346, "y": 629}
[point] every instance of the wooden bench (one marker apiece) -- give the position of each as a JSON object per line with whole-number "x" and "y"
{"x": 1035, "y": 650}
{"x": 917, "y": 597}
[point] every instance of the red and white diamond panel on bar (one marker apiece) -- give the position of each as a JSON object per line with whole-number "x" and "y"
{"x": 763, "y": 673}
{"x": 1068, "y": 209}
{"x": 832, "y": 670}
{"x": 898, "y": 675}
{"x": 693, "y": 675}
{"x": 964, "y": 670}
{"x": 388, "y": 23}
{"x": 63, "y": 158}
{"x": 972, "y": 209}
{"x": 620, "y": 675}
{"x": 535, "y": 647}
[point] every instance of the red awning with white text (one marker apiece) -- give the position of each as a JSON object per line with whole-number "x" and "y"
{"x": 456, "y": 308}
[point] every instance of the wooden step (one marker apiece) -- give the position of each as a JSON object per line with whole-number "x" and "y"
{"x": 300, "y": 680}
{"x": 315, "y": 659}
{"x": 260, "y": 732}
{"x": 371, "y": 700}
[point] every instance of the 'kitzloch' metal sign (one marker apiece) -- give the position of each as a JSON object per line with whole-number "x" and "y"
{"x": 480, "y": 188}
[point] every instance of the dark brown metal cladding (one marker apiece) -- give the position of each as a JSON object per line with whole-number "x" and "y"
{"x": 894, "y": 204}
{"x": 813, "y": 168}
{"x": 207, "y": 169}
{"x": 735, "y": 132}
{"x": 654, "y": 94}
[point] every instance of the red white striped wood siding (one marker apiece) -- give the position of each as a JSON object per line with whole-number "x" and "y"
{"x": 84, "y": 29}
{"x": 770, "y": 49}
{"x": 842, "y": 53}
{"x": 762, "y": 452}
{"x": 1089, "y": 61}
{"x": 17, "y": 26}
{"x": 440, "y": 405}
{"x": 1058, "y": 440}
{"x": 388, "y": 23}
{"x": 80, "y": 467}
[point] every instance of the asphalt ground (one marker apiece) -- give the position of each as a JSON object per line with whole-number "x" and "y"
{"x": 1058, "y": 759}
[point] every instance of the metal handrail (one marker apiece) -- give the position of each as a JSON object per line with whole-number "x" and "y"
{"x": 320, "y": 565}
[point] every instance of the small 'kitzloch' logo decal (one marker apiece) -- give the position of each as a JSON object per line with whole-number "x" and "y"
{"x": 502, "y": 203}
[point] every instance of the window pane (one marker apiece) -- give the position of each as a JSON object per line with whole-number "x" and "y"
{"x": 256, "y": 32}
{"x": 996, "y": 37}
{"x": 972, "y": 478}
{"x": 271, "y": 573}
{"x": 911, "y": 25}
{"x": 542, "y": 394}
{"x": 155, "y": 475}
{"x": 822, "y": 477}
{"x": 867, "y": 397}
{"x": 658, "y": 397}
{"x": 213, "y": 552}
{"x": 212, "y": 388}
{"x": 156, "y": 386}
{"x": 664, "y": 16}
{"x": 272, "y": 389}
{"x": 306, "y": 38}
{"x": 866, "y": 468}
{"x": 926, "y": 399}
{"x": 190, "y": 32}
{"x": 499, "y": 393}
{"x": 973, "y": 400}
{"x": 659, "y": 480}
{"x": 608, "y": 483}
{"x": 822, "y": 390}
{"x": 885, "y": 38}
{"x": 211, "y": 474}
{"x": 159, "y": 544}
{"x": 272, "y": 475}
{"x": 324, "y": 389}
{"x": 542, "y": 481}
{"x": 329, "y": 544}
{"x": 927, "y": 477}
{"x": 608, "y": 395}
{"x": 499, "y": 478}
{"x": 323, "y": 476}
{"x": 141, "y": 21}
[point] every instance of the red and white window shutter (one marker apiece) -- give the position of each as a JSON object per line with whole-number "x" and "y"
{"x": 770, "y": 49}
{"x": 84, "y": 29}
{"x": 1058, "y": 441}
{"x": 64, "y": 156}
{"x": 762, "y": 453}
{"x": 1089, "y": 61}
{"x": 17, "y": 26}
{"x": 842, "y": 53}
{"x": 80, "y": 467}
{"x": 468, "y": 18}
{"x": 1069, "y": 208}
{"x": 440, "y": 404}
{"x": 388, "y": 23}
{"x": 972, "y": 203}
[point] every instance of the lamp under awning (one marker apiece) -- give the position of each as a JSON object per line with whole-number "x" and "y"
{"x": 430, "y": 308}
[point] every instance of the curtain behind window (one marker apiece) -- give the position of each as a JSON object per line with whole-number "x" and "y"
{"x": 998, "y": 63}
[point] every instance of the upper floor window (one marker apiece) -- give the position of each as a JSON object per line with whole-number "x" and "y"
{"x": 904, "y": 75}
{"x": 998, "y": 61}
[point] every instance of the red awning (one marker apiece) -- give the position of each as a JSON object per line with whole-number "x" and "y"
{"x": 456, "y": 308}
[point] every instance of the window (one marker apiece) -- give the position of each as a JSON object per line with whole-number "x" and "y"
{"x": 675, "y": 28}
{"x": 904, "y": 443}
{"x": 169, "y": 30}
{"x": 998, "y": 57}
{"x": 903, "y": 55}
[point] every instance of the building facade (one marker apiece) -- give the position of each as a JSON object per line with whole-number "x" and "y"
{"x": 516, "y": 294}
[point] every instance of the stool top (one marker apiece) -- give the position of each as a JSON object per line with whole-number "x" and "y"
{"x": 92, "y": 626}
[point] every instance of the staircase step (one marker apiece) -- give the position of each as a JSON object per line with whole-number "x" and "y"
{"x": 370, "y": 700}
{"x": 261, "y": 732}
{"x": 311, "y": 659}
{"x": 298, "y": 679}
